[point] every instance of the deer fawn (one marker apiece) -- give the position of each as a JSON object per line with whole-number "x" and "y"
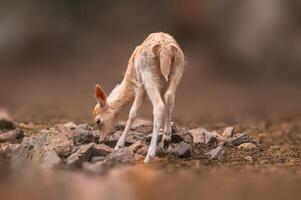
{"x": 155, "y": 68}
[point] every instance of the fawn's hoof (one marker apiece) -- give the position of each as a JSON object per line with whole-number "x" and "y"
{"x": 150, "y": 155}
{"x": 165, "y": 142}
{"x": 119, "y": 145}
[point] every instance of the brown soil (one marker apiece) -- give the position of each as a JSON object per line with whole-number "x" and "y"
{"x": 273, "y": 172}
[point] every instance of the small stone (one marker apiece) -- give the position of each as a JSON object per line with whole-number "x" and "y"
{"x": 82, "y": 136}
{"x": 24, "y": 152}
{"x": 142, "y": 125}
{"x": 131, "y": 138}
{"x": 249, "y": 158}
{"x": 275, "y": 147}
{"x": 56, "y": 141}
{"x": 97, "y": 167}
{"x": 6, "y": 122}
{"x": 175, "y": 137}
{"x": 51, "y": 160}
{"x": 13, "y": 135}
{"x": 83, "y": 126}
{"x": 179, "y": 149}
{"x": 63, "y": 149}
{"x": 217, "y": 152}
{"x": 137, "y": 145}
{"x": 82, "y": 154}
{"x": 247, "y": 146}
{"x": 228, "y": 132}
{"x": 70, "y": 125}
{"x": 239, "y": 139}
{"x": 9, "y": 149}
{"x": 138, "y": 157}
{"x": 143, "y": 150}
{"x": 203, "y": 136}
{"x": 119, "y": 126}
{"x": 95, "y": 159}
{"x": 102, "y": 150}
{"x": 120, "y": 157}
{"x": 262, "y": 136}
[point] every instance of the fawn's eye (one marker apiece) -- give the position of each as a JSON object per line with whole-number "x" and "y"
{"x": 98, "y": 121}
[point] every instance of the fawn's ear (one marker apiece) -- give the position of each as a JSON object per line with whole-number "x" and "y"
{"x": 100, "y": 95}
{"x": 156, "y": 49}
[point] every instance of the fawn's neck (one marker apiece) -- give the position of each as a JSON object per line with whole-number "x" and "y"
{"x": 121, "y": 96}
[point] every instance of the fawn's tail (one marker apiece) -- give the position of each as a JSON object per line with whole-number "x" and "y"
{"x": 165, "y": 63}
{"x": 165, "y": 55}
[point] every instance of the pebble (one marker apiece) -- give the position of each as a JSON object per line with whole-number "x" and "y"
{"x": 228, "y": 132}
{"x": 70, "y": 125}
{"x": 249, "y": 158}
{"x": 203, "y": 136}
{"x": 247, "y": 146}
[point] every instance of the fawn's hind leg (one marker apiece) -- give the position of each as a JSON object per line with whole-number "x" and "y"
{"x": 169, "y": 99}
{"x": 153, "y": 91}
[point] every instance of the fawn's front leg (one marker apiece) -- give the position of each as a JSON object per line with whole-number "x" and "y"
{"x": 139, "y": 98}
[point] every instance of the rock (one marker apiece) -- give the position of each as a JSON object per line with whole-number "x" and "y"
{"x": 40, "y": 145}
{"x": 143, "y": 150}
{"x": 179, "y": 149}
{"x": 83, "y": 127}
{"x": 6, "y": 122}
{"x": 216, "y": 153}
{"x": 138, "y": 157}
{"x": 8, "y": 147}
{"x": 24, "y": 152}
{"x": 142, "y": 125}
{"x": 82, "y": 154}
{"x": 239, "y": 139}
{"x": 98, "y": 167}
{"x": 247, "y": 146}
{"x": 51, "y": 160}
{"x": 120, "y": 157}
{"x": 63, "y": 149}
{"x": 119, "y": 126}
{"x": 46, "y": 140}
{"x": 102, "y": 150}
{"x": 13, "y": 135}
{"x": 249, "y": 158}
{"x": 137, "y": 145}
{"x": 83, "y": 136}
{"x": 95, "y": 159}
{"x": 275, "y": 147}
{"x": 203, "y": 136}
{"x": 70, "y": 125}
{"x": 131, "y": 138}
{"x": 262, "y": 136}
{"x": 228, "y": 132}
{"x": 57, "y": 141}
{"x": 139, "y": 125}
{"x": 175, "y": 138}
{"x": 64, "y": 130}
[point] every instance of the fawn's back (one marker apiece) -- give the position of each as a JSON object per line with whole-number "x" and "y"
{"x": 160, "y": 57}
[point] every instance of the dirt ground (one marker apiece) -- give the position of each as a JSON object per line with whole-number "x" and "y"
{"x": 274, "y": 171}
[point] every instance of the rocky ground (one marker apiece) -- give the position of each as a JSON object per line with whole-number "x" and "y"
{"x": 65, "y": 148}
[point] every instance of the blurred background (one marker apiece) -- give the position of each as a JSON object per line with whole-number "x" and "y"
{"x": 243, "y": 57}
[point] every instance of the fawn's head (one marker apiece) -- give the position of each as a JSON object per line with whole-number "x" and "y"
{"x": 103, "y": 115}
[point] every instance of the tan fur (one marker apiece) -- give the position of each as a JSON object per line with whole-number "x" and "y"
{"x": 155, "y": 68}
